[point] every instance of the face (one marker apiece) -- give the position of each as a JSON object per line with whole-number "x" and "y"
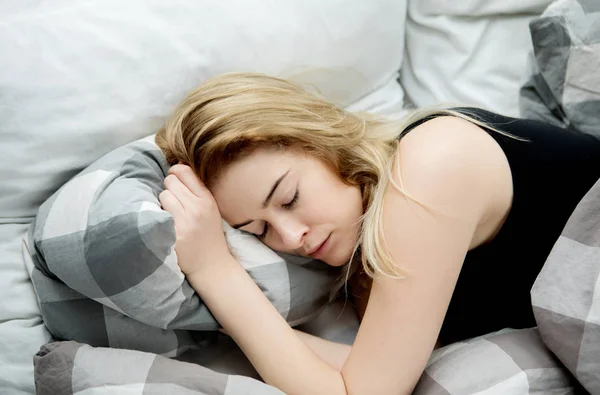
{"x": 293, "y": 202}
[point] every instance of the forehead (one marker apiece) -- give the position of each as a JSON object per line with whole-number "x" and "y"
{"x": 245, "y": 183}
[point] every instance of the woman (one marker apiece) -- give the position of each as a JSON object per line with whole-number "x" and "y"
{"x": 451, "y": 213}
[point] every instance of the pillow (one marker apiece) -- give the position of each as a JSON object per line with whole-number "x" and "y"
{"x": 470, "y": 52}
{"x": 103, "y": 265}
{"x": 81, "y": 78}
{"x": 507, "y": 362}
{"x": 21, "y": 328}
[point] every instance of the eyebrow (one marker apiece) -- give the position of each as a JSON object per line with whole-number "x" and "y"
{"x": 266, "y": 202}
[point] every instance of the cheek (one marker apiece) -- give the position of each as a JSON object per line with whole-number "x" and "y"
{"x": 351, "y": 200}
{"x": 341, "y": 205}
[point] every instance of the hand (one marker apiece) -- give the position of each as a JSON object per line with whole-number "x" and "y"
{"x": 200, "y": 241}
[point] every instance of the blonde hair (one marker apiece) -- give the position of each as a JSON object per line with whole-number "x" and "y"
{"x": 231, "y": 115}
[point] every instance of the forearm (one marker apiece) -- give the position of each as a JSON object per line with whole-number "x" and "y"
{"x": 335, "y": 354}
{"x": 274, "y": 349}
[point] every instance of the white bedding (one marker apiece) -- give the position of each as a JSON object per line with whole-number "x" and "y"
{"x": 471, "y": 52}
{"x": 21, "y": 328}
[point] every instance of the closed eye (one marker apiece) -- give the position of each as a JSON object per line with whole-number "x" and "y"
{"x": 292, "y": 202}
{"x": 264, "y": 233}
{"x": 288, "y": 206}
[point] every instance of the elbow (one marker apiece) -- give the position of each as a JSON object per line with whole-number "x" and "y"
{"x": 353, "y": 387}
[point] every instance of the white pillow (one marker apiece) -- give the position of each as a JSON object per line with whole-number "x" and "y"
{"x": 471, "y": 52}
{"x": 79, "y": 78}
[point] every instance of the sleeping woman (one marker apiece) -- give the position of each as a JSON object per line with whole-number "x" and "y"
{"x": 440, "y": 222}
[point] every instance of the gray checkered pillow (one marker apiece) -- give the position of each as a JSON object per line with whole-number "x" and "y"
{"x": 105, "y": 271}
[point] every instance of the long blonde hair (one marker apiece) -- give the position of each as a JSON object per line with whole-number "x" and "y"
{"x": 231, "y": 115}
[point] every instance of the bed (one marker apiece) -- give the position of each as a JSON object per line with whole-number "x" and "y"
{"x": 78, "y": 79}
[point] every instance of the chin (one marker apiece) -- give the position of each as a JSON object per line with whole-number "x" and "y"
{"x": 342, "y": 255}
{"x": 340, "y": 260}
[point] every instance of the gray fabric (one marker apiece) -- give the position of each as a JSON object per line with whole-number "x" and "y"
{"x": 510, "y": 362}
{"x": 72, "y": 368}
{"x": 563, "y": 83}
{"x": 566, "y": 294}
{"x": 564, "y": 88}
{"x": 506, "y": 362}
{"x": 101, "y": 258}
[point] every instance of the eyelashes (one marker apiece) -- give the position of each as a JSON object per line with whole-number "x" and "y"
{"x": 288, "y": 206}
{"x": 264, "y": 232}
{"x": 292, "y": 202}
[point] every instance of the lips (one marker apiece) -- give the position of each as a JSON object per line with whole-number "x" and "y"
{"x": 319, "y": 249}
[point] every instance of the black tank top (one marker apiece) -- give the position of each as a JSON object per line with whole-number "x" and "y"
{"x": 551, "y": 172}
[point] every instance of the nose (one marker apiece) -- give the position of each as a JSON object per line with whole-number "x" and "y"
{"x": 292, "y": 233}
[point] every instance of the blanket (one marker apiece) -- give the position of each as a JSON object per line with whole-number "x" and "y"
{"x": 563, "y": 88}
{"x": 508, "y": 362}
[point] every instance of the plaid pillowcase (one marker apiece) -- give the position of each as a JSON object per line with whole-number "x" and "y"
{"x": 101, "y": 257}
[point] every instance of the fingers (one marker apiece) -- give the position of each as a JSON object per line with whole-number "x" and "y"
{"x": 170, "y": 203}
{"x": 186, "y": 175}
{"x": 186, "y": 198}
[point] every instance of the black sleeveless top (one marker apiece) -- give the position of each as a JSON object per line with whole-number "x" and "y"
{"x": 551, "y": 172}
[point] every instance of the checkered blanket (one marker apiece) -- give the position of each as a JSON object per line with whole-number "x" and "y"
{"x": 566, "y": 294}
{"x": 509, "y": 362}
{"x": 564, "y": 88}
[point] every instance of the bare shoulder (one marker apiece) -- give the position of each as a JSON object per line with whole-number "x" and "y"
{"x": 447, "y": 142}
{"x": 452, "y": 162}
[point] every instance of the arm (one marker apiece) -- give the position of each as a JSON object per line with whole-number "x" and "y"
{"x": 276, "y": 352}
{"x": 335, "y": 354}
{"x": 453, "y": 168}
